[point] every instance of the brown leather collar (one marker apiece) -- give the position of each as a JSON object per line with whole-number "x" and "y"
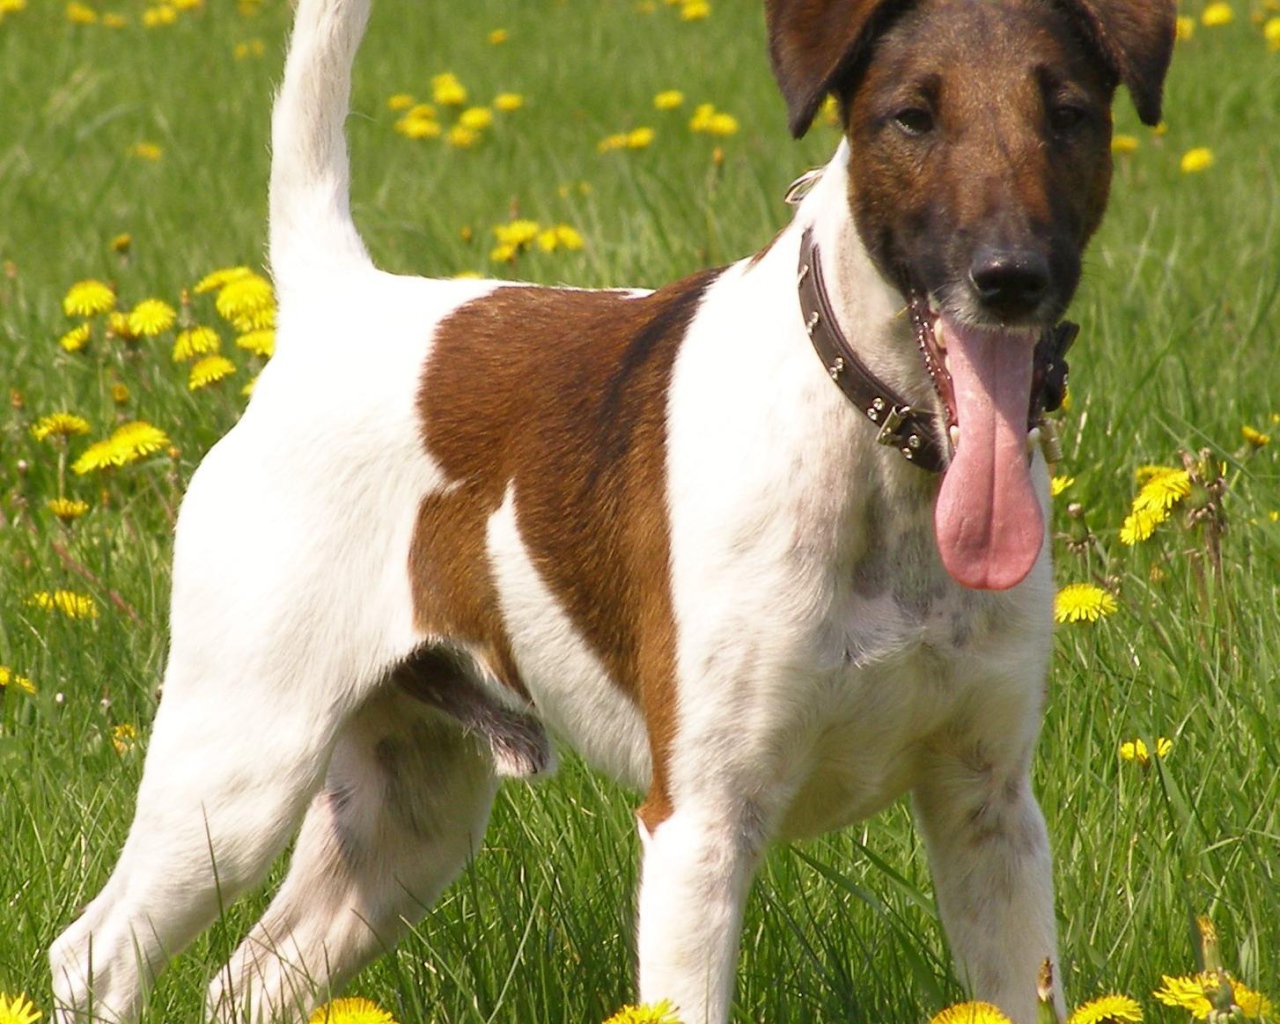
{"x": 913, "y": 432}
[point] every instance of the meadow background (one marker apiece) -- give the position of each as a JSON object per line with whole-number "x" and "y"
{"x": 120, "y": 118}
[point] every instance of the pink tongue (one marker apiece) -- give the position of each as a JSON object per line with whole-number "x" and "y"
{"x": 988, "y": 521}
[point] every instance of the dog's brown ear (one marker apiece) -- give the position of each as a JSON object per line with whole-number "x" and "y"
{"x": 811, "y": 42}
{"x": 1135, "y": 37}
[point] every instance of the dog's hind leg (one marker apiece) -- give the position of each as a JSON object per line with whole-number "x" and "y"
{"x": 404, "y": 804}
{"x": 269, "y": 656}
{"x": 223, "y": 786}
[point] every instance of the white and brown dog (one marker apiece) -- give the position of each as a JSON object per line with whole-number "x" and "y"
{"x": 458, "y": 516}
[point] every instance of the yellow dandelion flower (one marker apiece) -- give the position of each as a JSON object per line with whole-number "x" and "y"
{"x": 1255, "y": 438}
{"x": 461, "y": 137}
{"x": 249, "y": 48}
{"x": 76, "y": 338}
{"x": 504, "y": 253}
{"x": 498, "y": 36}
{"x": 1136, "y": 750}
{"x": 647, "y": 1013}
{"x": 669, "y": 99}
{"x": 259, "y": 320}
{"x": 122, "y": 243}
{"x": 129, "y": 442}
{"x": 1186, "y": 993}
{"x": 547, "y": 240}
{"x": 17, "y": 1009}
{"x": 59, "y": 424}
{"x": 161, "y": 14}
{"x": 399, "y": 102}
{"x": 1107, "y": 1010}
{"x": 99, "y": 455}
{"x": 414, "y": 127}
{"x": 11, "y": 7}
{"x": 352, "y": 1010}
{"x": 702, "y": 115}
{"x": 1186, "y": 28}
{"x": 196, "y": 341}
{"x": 66, "y": 602}
{"x": 151, "y": 317}
{"x": 695, "y": 10}
{"x": 1271, "y": 33}
{"x": 209, "y": 370}
{"x": 220, "y": 278}
{"x": 721, "y": 123}
{"x": 1121, "y": 143}
{"x": 447, "y": 90}
{"x": 245, "y": 295}
{"x": 148, "y": 151}
{"x": 1059, "y": 484}
{"x": 424, "y": 111}
{"x": 67, "y": 509}
{"x": 639, "y": 138}
{"x": 971, "y": 1013}
{"x": 10, "y": 678}
{"x": 120, "y": 326}
{"x": 1163, "y": 490}
{"x": 508, "y": 101}
{"x": 260, "y": 343}
{"x": 137, "y": 439}
{"x": 1141, "y": 524}
{"x": 247, "y": 390}
{"x": 119, "y": 393}
{"x": 1254, "y": 1005}
{"x": 516, "y": 232}
{"x": 476, "y": 118}
{"x": 611, "y": 142}
{"x": 89, "y": 298}
{"x": 1082, "y": 602}
{"x": 1217, "y": 14}
{"x": 569, "y": 238}
{"x": 123, "y": 737}
{"x": 1195, "y": 160}
{"x": 81, "y": 14}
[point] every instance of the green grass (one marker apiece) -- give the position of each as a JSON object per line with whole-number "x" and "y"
{"x": 1181, "y": 322}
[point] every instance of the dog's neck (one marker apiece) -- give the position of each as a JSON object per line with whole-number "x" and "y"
{"x": 870, "y": 311}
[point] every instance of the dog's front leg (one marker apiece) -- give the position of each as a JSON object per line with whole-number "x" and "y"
{"x": 698, "y": 865}
{"x": 992, "y": 871}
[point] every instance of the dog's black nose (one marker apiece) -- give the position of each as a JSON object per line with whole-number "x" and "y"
{"x": 1010, "y": 282}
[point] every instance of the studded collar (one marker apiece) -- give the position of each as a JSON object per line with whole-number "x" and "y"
{"x": 912, "y": 432}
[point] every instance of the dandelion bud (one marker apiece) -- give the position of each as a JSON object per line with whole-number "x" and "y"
{"x": 1046, "y": 1009}
{"x": 1210, "y": 957}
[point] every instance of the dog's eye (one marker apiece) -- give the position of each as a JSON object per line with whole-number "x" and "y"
{"x": 913, "y": 121}
{"x": 1065, "y": 118}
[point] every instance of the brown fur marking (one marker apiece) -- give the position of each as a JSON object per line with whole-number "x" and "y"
{"x": 562, "y": 395}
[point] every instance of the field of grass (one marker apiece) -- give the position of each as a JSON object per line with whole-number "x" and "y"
{"x": 157, "y": 128}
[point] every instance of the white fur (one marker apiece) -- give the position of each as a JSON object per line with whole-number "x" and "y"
{"x": 815, "y": 682}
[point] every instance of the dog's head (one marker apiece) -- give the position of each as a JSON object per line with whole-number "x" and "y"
{"x": 979, "y": 134}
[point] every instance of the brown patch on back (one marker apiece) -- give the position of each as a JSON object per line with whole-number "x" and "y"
{"x": 562, "y": 395}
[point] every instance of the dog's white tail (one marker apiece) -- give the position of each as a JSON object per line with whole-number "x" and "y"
{"x": 311, "y": 225}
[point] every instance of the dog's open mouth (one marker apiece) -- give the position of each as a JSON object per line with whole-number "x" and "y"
{"x": 988, "y": 521}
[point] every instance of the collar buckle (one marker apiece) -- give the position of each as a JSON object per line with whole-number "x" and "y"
{"x": 893, "y": 419}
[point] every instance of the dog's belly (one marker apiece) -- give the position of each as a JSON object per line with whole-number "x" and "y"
{"x": 569, "y": 686}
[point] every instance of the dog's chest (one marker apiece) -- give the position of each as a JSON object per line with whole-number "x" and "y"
{"x": 902, "y": 659}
